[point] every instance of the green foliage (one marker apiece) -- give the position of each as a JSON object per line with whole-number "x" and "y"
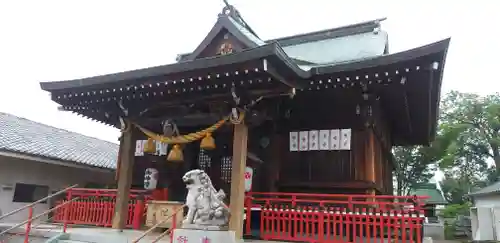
{"x": 468, "y": 137}
{"x": 449, "y": 231}
{"x": 453, "y": 210}
{"x": 469, "y": 127}
{"x": 413, "y": 166}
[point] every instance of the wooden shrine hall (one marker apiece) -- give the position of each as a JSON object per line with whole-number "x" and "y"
{"x": 312, "y": 113}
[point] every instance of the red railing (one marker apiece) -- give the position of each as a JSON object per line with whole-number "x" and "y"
{"x": 318, "y": 218}
{"x": 29, "y": 222}
{"x": 325, "y": 218}
{"x": 169, "y": 231}
{"x": 96, "y": 207}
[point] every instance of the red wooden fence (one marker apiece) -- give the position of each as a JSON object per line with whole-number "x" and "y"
{"x": 326, "y": 218}
{"x": 96, "y": 207}
{"x": 295, "y": 217}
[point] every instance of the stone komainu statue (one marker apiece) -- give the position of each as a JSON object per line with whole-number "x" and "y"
{"x": 205, "y": 204}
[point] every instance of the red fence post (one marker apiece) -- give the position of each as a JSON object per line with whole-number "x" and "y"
{"x": 174, "y": 224}
{"x": 138, "y": 212}
{"x": 248, "y": 215}
{"x": 28, "y": 225}
{"x": 67, "y": 209}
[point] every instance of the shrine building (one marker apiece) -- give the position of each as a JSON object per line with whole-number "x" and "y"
{"x": 314, "y": 113}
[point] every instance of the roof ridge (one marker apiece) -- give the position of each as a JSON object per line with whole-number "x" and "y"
{"x": 50, "y": 126}
{"x": 338, "y": 28}
{"x": 314, "y": 35}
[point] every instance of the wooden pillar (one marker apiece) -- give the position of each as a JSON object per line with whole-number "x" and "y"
{"x": 124, "y": 179}
{"x": 390, "y": 180}
{"x": 370, "y": 157}
{"x": 240, "y": 139}
{"x": 370, "y": 160}
{"x": 274, "y": 162}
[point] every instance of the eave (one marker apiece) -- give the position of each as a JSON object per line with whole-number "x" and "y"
{"x": 420, "y": 69}
{"x": 436, "y": 47}
{"x": 331, "y": 33}
{"x": 385, "y": 74}
{"x": 52, "y": 161}
{"x": 271, "y": 52}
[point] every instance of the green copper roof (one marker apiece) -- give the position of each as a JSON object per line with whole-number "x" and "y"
{"x": 429, "y": 190}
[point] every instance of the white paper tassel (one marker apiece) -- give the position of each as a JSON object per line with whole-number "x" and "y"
{"x": 335, "y": 139}
{"x": 294, "y": 141}
{"x": 303, "y": 141}
{"x": 324, "y": 140}
{"x": 313, "y": 140}
{"x": 139, "y": 148}
{"x": 161, "y": 148}
{"x": 345, "y": 139}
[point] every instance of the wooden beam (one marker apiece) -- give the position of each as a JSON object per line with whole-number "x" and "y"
{"x": 240, "y": 140}
{"x": 429, "y": 105}
{"x": 407, "y": 113}
{"x": 124, "y": 179}
{"x": 370, "y": 156}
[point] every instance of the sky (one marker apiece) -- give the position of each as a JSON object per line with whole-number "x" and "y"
{"x": 55, "y": 40}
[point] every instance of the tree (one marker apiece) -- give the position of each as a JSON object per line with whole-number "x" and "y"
{"x": 469, "y": 128}
{"x": 413, "y": 166}
{"x": 456, "y": 188}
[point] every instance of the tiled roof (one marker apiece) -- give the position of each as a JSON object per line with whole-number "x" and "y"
{"x": 491, "y": 189}
{"x": 28, "y": 137}
{"x": 429, "y": 190}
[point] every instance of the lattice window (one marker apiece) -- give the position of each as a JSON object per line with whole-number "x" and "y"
{"x": 204, "y": 161}
{"x": 226, "y": 169}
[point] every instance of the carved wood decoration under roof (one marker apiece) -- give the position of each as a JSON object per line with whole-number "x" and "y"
{"x": 407, "y": 84}
{"x": 230, "y": 34}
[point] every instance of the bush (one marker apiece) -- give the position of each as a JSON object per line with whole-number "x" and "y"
{"x": 449, "y": 231}
{"x": 453, "y": 210}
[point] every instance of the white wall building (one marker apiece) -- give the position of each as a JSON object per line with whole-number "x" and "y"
{"x": 485, "y": 214}
{"x": 37, "y": 160}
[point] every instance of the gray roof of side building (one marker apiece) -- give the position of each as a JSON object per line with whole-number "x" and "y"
{"x": 491, "y": 189}
{"x": 20, "y": 135}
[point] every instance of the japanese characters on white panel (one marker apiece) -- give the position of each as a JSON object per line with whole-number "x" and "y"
{"x": 161, "y": 148}
{"x": 314, "y": 140}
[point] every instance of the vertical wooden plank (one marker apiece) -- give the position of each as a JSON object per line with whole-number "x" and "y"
{"x": 124, "y": 179}
{"x": 240, "y": 140}
{"x": 380, "y": 165}
{"x": 390, "y": 180}
{"x": 370, "y": 160}
{"x": 370, "y": 157}
{"x": 360, "y": 151}
{"x": 276, "y": 150}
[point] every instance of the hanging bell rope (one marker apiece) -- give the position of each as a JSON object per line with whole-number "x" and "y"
{"x": 181, "y": 139}
{"x": 208, "y": 142}
{"x": 149, "y": 146}
{"x": 176, "y": 154}
{"x": 191, "y": 137}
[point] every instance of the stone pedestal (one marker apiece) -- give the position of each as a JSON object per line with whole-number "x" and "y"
{"x": 203, "y": 236}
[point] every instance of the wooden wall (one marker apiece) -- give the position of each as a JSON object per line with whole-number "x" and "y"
{"x": 366, "y": 166}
